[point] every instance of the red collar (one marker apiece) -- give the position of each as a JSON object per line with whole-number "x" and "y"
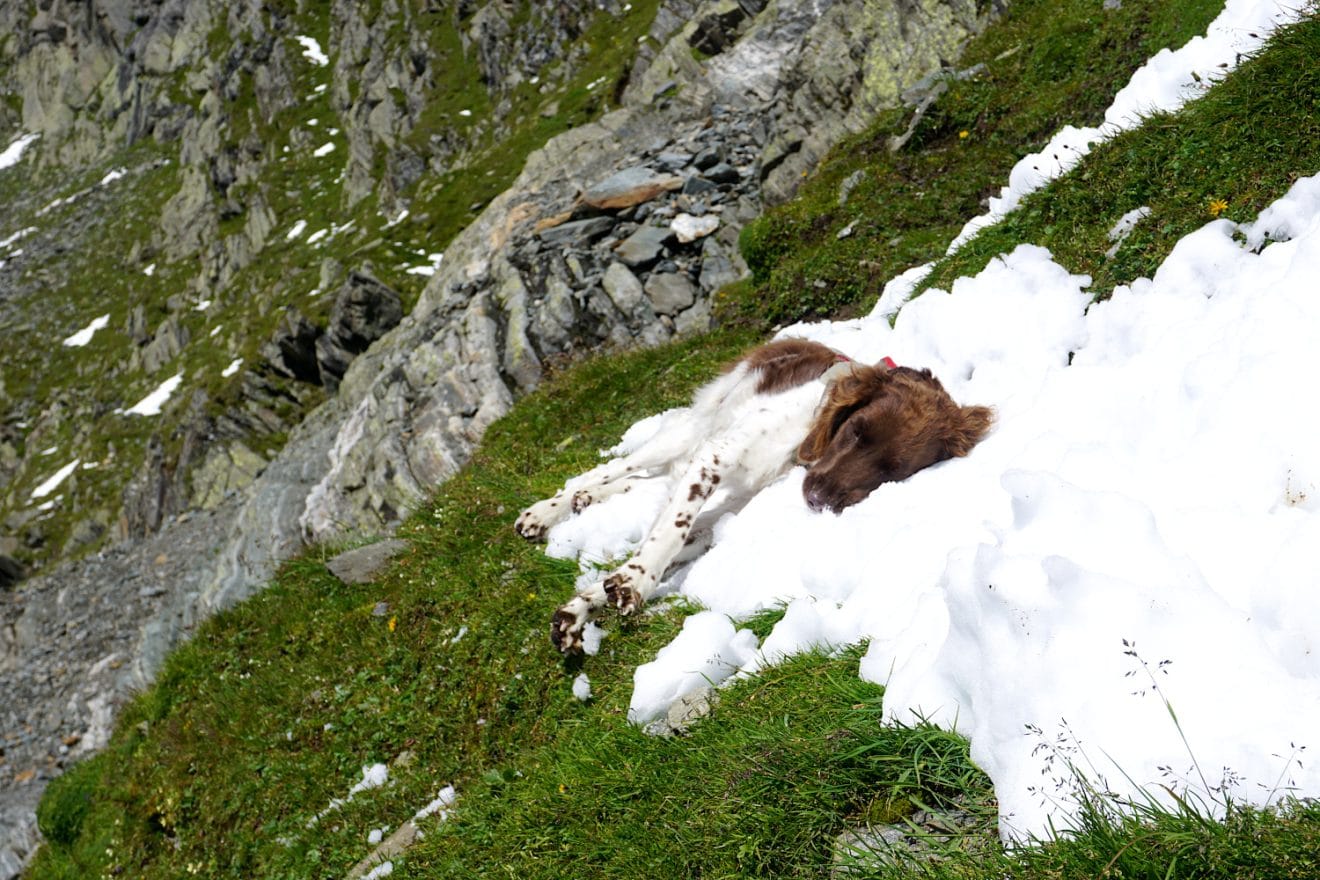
{"x": 886, "y": 360}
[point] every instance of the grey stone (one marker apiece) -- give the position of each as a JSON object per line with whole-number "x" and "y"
{"x": 673, "y": 160}
{"x": 694, "y": 320}
{"x": 722, "y": 173}
{"x": 577, "y": 233}
{"x": 697, "y": 185}
{"x": 623, "y": 288}
{"x": 644, "y": 246}
{"x": 849, "y": 184}
{"x": 669, "y": 293}
{"x": 363, "y": 564}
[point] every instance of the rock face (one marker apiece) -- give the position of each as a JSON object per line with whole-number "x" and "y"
{"x": 616, "y": 233}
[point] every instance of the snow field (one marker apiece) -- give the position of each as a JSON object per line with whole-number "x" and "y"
{"x": 1148, "y": 494}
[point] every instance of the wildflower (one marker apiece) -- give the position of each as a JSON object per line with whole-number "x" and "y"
{"x": 563, "y": 789}
{"x": 394, "y": 622}
{"x": 1217, "y": 207}
{"x": 964, "y": 134}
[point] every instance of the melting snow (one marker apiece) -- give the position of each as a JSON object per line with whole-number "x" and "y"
{"x": 84, "y": 336}
{"x": 232, "y": 368}
{"x": 324, "y": 150}
{"x": 312, "y": 51}
{"x": 53, "y": 483}
{"x": 443, "y": 800}
{"x": 582, "y": 687}
{"x": 152, "y": 403}
{"x": 373, "y": 776}
{"x": 427, "y": 270}
{"x": 14, "y": 151}
{"x": 112, "y": 176}
{"x": 296, "y": 230}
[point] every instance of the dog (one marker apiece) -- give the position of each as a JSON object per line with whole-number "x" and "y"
{"x": 855, "y": 426}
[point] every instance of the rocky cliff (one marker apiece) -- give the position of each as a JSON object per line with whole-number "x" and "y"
{"x": 249, "y": 193}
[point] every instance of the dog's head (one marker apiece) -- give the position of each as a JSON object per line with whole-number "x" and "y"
{"x": 878, "y": 425}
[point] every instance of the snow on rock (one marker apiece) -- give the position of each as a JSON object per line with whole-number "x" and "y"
{"x": 112, "y": 176}
{"x": 324, "y": 150}
{"x": 582, "y": 687}
{"x": 1139, "y": 527}
{"x": 84, "y": 336}
{"x": 54, "y": 481}
{"x": 1167, "y": 81}
{"x": 152, "y": 403}
{"x": 295, "y": 230}
{"x": 232, "y": 368}
{"x": 12, "y": 153}
{"x": 384, "y": 869}
{"x": 706, "y": 652}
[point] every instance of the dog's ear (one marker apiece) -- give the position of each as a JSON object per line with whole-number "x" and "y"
{"x": 970, "y": 425}
{"x": 852, "y": 388}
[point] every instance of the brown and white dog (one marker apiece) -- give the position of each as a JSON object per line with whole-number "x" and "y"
{"x": 853, "y": 425}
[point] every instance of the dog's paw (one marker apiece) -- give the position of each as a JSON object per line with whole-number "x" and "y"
{"x": 582, "y": 499}
{"x": 622, "y": 594}
{"x": 568, "y": 624}
{"x": 534, "y": 522}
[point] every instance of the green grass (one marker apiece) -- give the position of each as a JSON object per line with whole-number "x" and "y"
{"x": 274, "y": 707}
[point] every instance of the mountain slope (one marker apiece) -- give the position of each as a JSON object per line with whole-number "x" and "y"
{"x": 433, "y": 687}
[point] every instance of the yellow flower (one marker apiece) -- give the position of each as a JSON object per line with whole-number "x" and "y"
{"x": 1217, "y": 207}
{"x": 563, "y": 789}
{"x": 394, "y": 622}
{"x": 964, "y": 134}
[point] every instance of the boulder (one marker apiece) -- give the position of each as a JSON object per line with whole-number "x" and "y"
{"x": 631, "y": 186}
{"x": 365, "y": 310}
{"x": 644, "y": 246}
{"x": 670, "y": 292}
{"x": 623, "y": 288}
{"x": 291, "y": 350}
{"x": 577, "y": 233}
{"x": 361, "y": 565}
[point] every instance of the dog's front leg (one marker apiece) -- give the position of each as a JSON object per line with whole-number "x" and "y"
{"x": 631, "y": 585}
{"x": 569, "y": 622}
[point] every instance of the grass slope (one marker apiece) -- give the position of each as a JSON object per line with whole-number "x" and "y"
{"x": 442, "y": 669}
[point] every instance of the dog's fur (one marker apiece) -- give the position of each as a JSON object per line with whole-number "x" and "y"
{"x": 855, "y": 426}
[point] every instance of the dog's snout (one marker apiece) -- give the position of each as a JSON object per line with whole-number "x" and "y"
{"x": 815, "y": 498}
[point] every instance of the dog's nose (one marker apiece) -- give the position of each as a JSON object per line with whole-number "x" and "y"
{"x": 815, "y": 498}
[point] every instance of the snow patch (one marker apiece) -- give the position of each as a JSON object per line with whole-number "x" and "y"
{"x": 84, "y": 336}
{"x": 53, "y": 482}
{"x": 152, "y": 403}
{"x": 312, "y": 50}
{"x": 14, "y": 151}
